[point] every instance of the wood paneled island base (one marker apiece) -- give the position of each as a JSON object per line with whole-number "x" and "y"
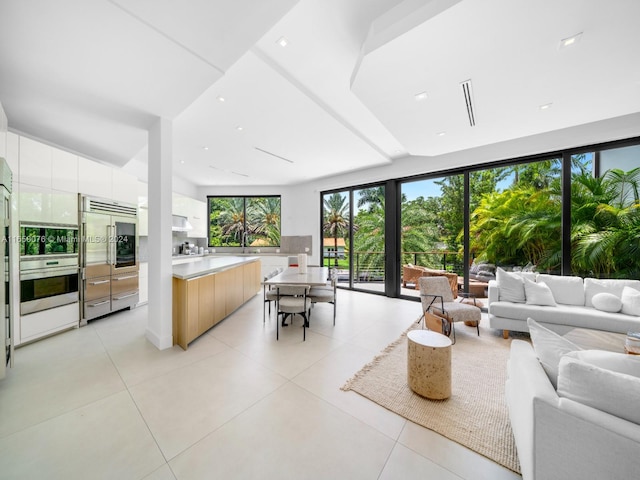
{"x": 201, "y": 301}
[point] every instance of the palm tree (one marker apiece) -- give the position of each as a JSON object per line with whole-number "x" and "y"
{"x": 267, "y": 218}
{"x": 605, "y": 231}
{"x": 336, "y": 219}
{"x": 231, "y": 219}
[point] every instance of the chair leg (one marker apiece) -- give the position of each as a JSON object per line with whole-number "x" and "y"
{"x": 453, "y": 331}
{"x": 478, "y": 327}
{"x": 334, "y": 313}
{"x": 305, "y": 324}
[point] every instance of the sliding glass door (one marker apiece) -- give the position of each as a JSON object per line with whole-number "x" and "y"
{"x": 353, "y": 231}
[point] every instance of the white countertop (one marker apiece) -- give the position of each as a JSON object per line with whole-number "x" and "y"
{"x": 209, "y": 264}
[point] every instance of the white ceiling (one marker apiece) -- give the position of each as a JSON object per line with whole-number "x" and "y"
{"x": 93, "y": 75}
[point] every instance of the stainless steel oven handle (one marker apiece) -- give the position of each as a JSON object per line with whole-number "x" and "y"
{"x": 47, "y": 273}
{"x": 104, "y": 302}
{"x": 125, "y": 296}
{"x": 125, "y": 278}
{"x": 99, "y": 282}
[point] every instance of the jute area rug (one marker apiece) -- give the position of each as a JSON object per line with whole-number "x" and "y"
{"x": 475, "y": 415}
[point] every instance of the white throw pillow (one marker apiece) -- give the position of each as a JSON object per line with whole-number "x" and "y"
{"x": 617, "y": 362}
{"x": 566, "y": 290}
{"x": 606, "y": 302}
{"x": 612, "y": 392}
{"x": 630, "y": 301}
{"x": 511, "y": 286}
{"x": 549, "y": 348}
{"x": 538, "y": 293}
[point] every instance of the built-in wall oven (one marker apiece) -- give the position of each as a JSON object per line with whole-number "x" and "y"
{"x": 48, "y": 282}
{"x": 48, "y": 266}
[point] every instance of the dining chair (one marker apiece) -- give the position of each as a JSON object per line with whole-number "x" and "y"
{"x": 325, "y": 294}
{"x": 268, "y": 293}
{"x": 292, "y": 300}
{"x": 437, "y": 301}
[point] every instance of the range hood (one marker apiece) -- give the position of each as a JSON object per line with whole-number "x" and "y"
{"x": 180, "y": 224}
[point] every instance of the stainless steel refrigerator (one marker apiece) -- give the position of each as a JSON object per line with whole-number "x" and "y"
{"x": 108, "y": 257}
{"x": 6, "y": 334}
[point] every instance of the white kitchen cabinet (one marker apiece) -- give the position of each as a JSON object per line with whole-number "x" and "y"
{"x": 64, "y": 171}
{"x": 34, "y": 204}
{"x": 94, "y": 178}
{"x": 35, "y": 163}
{"x": 43, "y": 323}
{"x": 13, "y": 155}
{"x": 3, "y": 143}
{"x": 64, "y": 207}
{"x": 143, "y": 209}
{"x": 38, "y": 204}
{"x": 197, "y": 216}
{"x": 143, "y": 221}
{"x": 143, "y": 283}
{"x": 124, "y": 187}
{"x": 179, "y": 205}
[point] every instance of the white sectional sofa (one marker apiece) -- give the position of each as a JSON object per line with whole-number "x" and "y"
{"x": 563, "y": 302}
{"x": 567, "y": 435}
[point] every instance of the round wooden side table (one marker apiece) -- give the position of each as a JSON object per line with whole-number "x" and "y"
{"x": 429, "y": 364}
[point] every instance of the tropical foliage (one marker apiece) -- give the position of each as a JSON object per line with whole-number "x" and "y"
{"x": 240, "y": 221}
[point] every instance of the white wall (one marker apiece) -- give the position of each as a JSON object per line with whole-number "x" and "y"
{"x": 4, "y": 126}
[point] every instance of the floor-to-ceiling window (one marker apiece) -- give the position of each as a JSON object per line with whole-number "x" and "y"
{"x": 353, "y": 235}
{"x": 575, "y": 211}
{"x": 515, "y": 218}
{"x": 431, "y": 222}
{"x": 605, "y": 213}
{"x": 368, "y": 239}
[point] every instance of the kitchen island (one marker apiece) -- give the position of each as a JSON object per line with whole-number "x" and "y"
{"x": 208, "y": 290}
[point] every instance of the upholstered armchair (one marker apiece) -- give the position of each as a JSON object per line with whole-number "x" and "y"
{"x": 436, "y": 299}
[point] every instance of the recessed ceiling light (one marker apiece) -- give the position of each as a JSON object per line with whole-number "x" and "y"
{"x": 442, "y": 134}
{"x": 283, "y": 42}
{"x": 220, "y": 98}
{"x": 421, "y": 96}
{"x": 567, "y": 42}
{"x": 182, "y": 162}
{"x": 205, "y": 148}
{"x": 239, "y": 128}
{"x": 546, "y": 106}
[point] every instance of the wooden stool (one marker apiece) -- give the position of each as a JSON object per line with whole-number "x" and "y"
{"x": 429, "y": 364}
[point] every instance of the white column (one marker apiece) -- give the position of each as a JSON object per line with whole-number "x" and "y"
{"x": 160, "y": 324}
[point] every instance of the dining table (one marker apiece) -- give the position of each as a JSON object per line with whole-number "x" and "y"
{"x": 310, "y": 276}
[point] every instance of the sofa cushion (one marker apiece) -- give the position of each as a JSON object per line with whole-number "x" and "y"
{"x": 630, "y": 301}
{"x": 593, "y": 286}
{"x": 618, "y": 362}
{"x": 566, "y": 289}
{"x": 570, "y": 315}
{"x": 549, "y": 347}
{"x": 511, "y": 286}
{"x": 603, "y": 389}
{"x": 538, "y": 293}
{"x": 606, "y": 302}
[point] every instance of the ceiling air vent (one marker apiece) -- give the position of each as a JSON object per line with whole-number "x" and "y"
{"x": 468, "y": 100}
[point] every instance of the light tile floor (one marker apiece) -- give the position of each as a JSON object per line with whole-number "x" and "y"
{"x": 102, "y": 402}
